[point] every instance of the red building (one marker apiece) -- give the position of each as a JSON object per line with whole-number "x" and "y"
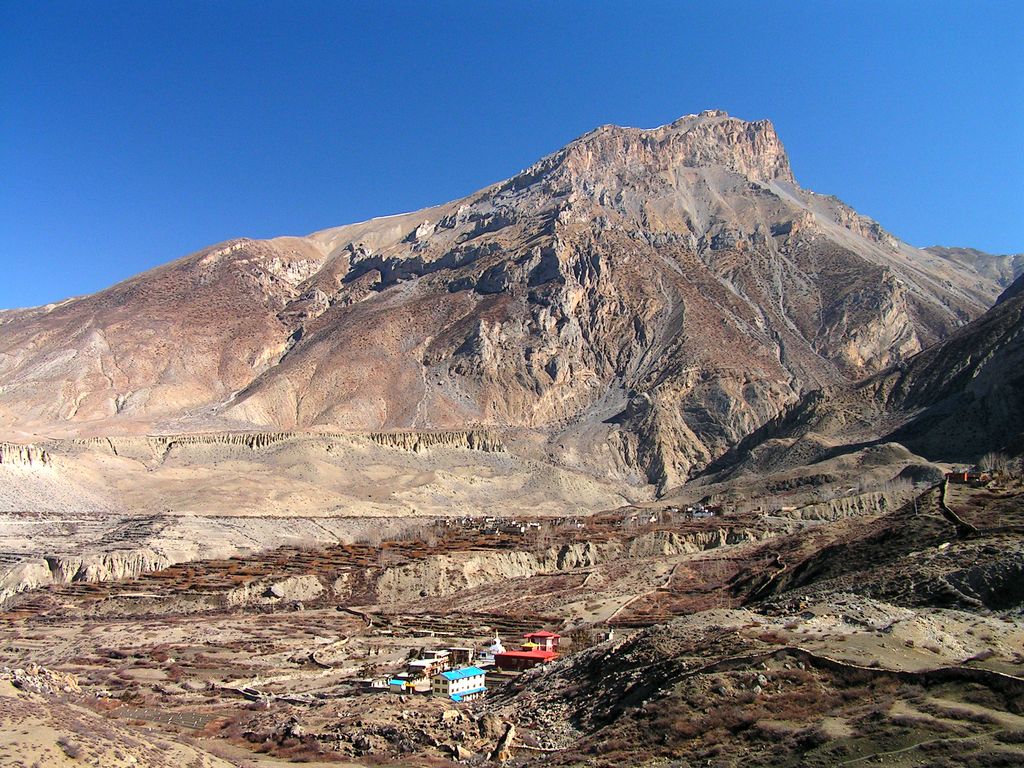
{"x": 539, "y": 648}
{"x": 543, "y": 640}
{"x": 517, "y": 661}
{"x": 968, "y": 478}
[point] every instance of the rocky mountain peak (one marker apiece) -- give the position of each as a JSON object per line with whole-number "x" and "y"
{"x": 615, "y": 155}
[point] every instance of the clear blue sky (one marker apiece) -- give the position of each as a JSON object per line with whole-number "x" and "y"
{"x": 132, "y": 133}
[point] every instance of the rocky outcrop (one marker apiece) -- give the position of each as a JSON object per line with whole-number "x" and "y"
{"x": 857, "y": 505}
{"x": 712, "y": 138}
{"x": 158, "y": 447}
{"x": 105, "y": 566}
{"x": 37, "y": 679}
{"x": 35, "y": 572}
{"x": 27, "y": 574}
{"x": 303, "y": 589}
{"x": 472, "y": 440}
{"x": 661, "y": 543}
{"x": 449, "y": 574}
{"x": 19, "y": 455}
{"x": 505, "y": 748}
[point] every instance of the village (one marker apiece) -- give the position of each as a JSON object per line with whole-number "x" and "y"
{"x": 629, "y": 517}
{"x": 463, "y": 674}
{"x": 440, "y": 645}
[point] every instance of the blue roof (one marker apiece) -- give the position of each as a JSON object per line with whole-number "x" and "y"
{"x": 459, "y": 674}
{"x": 458, "y": 696}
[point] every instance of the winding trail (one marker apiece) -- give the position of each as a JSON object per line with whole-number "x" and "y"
{"x": 963, "y": 528}
{"x": 634, "y": 598}
{"x": 912, "y": 747}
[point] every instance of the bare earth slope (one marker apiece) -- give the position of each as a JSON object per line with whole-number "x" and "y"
{"x": 660, "y": 293}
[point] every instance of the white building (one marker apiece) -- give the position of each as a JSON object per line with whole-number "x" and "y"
{"x": 460, "y": 684}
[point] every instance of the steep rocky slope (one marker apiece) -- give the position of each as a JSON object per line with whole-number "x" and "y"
{"x": 1003, "y": 268}
{"x": 952, "y": 402}
{"x": 966, "y": 394}
{"x": 657, "y": 293}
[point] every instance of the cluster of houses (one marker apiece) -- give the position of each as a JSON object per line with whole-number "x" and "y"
{"x": 700, "y": 511}
{"x": 489, "y": 526}
{"x": 966, "y": 477}
{"x": 460, "y": 674}
{"x": 696, "y": 511}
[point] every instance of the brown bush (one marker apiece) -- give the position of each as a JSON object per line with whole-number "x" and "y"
{"x": 733, "y": 718}
{"x": 682, "y": 728}
{"x": 812, "y": 737}
{"x": 796, "y": 675}
{"x": 175, "y": 673}
{"x": 71, "y": 748}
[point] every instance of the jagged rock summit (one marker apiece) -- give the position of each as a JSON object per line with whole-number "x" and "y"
{"x": 635, "y": 303}
{"x": 711, "y": 138}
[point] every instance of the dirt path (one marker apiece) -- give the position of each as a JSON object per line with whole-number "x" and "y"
{"x": 963, "y": 528}
{"x": 641, "y": 595}
{"x": 943, "y": 739}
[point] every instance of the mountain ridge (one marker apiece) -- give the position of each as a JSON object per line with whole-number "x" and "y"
{"x": 660, "y": 293}
{"x": 952, "y": 402}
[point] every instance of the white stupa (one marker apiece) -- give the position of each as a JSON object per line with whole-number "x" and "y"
{"x": 496, "y": 647}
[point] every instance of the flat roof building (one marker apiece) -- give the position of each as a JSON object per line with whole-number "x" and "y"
{"x": 460, "y": 685}
{"x": 517, "y": 661}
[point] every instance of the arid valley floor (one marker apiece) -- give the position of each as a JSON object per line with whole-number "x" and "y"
{"x": 817, "y": 635}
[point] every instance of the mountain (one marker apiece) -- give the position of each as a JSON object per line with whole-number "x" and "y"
{"x": 1003, "y": 269}
{"x": 637, "y": 302}
{"x": 953, "y": 402}
{"x": 965, "y": 394}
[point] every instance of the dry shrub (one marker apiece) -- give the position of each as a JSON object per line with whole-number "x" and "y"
{"x": 923, "y": 723}
{"x": 175, "y": 673}
{"x": 773, "y": 732}
{"x": 960, "y": 714}
{"x": 71, "y": 748}
{"x": 795, "y": 675}
{"x": 986, "y": 697}
{"x": 934, "y": 746}
{"x": 613, "y": 745}
{"x": 812, "y": 737}
{"x": 988, "y": 759}
{"x": 801, "y": 703}
{"x": 680, "y": 728}
{"x": 732, "y": 718}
